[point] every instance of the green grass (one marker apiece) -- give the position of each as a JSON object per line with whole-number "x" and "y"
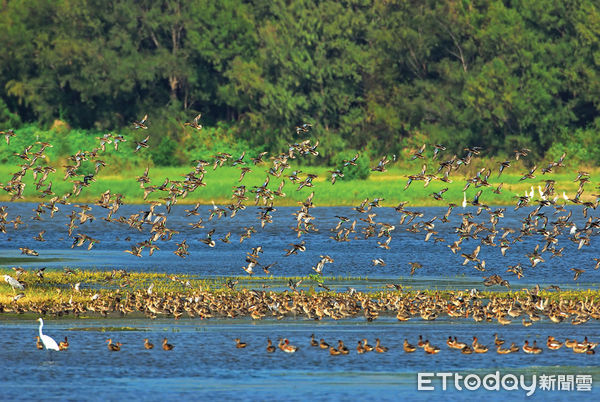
{"x": 57, "y": 286}
{"x": 220, "y": 183}
{"x": 124, "y": 165}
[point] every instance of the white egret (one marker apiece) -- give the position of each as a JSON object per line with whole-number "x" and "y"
{"x": 464, "y": 203}
{"x": 48, "y": 342}
{"x": 542, "y": 196}
{"x": 15, "y": 284}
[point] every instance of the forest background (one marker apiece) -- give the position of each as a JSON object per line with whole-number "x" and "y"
{"x": 382, "y": 77}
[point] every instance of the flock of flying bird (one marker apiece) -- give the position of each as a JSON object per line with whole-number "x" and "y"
{"x": 154, "y": 219}
{"x": 548, "y": 220}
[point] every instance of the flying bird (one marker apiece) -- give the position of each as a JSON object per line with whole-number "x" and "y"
{"x": 195, "y": 124}
{"x": 414, "y": 266}
{"x": 8, "y": 134}
{"x": 141, "y": 124}
{"x": 141, "y": 144}
{"x": 578, "y": 272}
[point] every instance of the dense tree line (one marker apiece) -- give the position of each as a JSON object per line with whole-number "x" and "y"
{"x": 379, "y": 75}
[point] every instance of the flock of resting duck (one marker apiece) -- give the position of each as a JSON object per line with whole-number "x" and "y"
{"x": 530, "y": 306}
{"x": 587, "y": 347}
{"x": 522, "y": 307}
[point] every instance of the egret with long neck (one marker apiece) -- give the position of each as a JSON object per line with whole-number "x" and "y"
{"x": 49, "y": 343}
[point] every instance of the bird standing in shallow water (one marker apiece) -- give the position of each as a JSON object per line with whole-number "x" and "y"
{"x": 47, "y": 341}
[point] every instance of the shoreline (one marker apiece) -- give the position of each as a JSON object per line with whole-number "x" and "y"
{"x": 128, "y": 296}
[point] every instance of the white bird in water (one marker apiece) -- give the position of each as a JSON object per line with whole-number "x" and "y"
{"x": 48, "y": 342}
{"x": 15, "y": 284}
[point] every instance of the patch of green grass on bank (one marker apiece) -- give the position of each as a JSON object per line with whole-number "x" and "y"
{"x": 59, "y": 287}
{"x": 389, "y": 186}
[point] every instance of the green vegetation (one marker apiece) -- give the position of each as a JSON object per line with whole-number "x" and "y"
{"x": 388, "y": 186}
{"x": 379, "y": 76}
{"x": 59, "y": 287}
{"x": 124, "y": 166}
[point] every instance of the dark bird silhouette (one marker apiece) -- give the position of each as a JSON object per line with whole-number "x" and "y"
{"x": 578, "y": 272}
{"x": 195, "y": 123}
{"x": 141, "y": 144}
{"x": 8, "y": 134}
{"x": 142, "y": 123}
{"x": 351, "y": 162}
{"x": 438, "y": 195}
{"x": 414, "y": 266}
{"x": 303, "y": 128}
{"x": 521, "y": 152}
{"x": 437, "y": 149}
{"x": 418, "y": 153}
{"x": 295, "y": 248}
